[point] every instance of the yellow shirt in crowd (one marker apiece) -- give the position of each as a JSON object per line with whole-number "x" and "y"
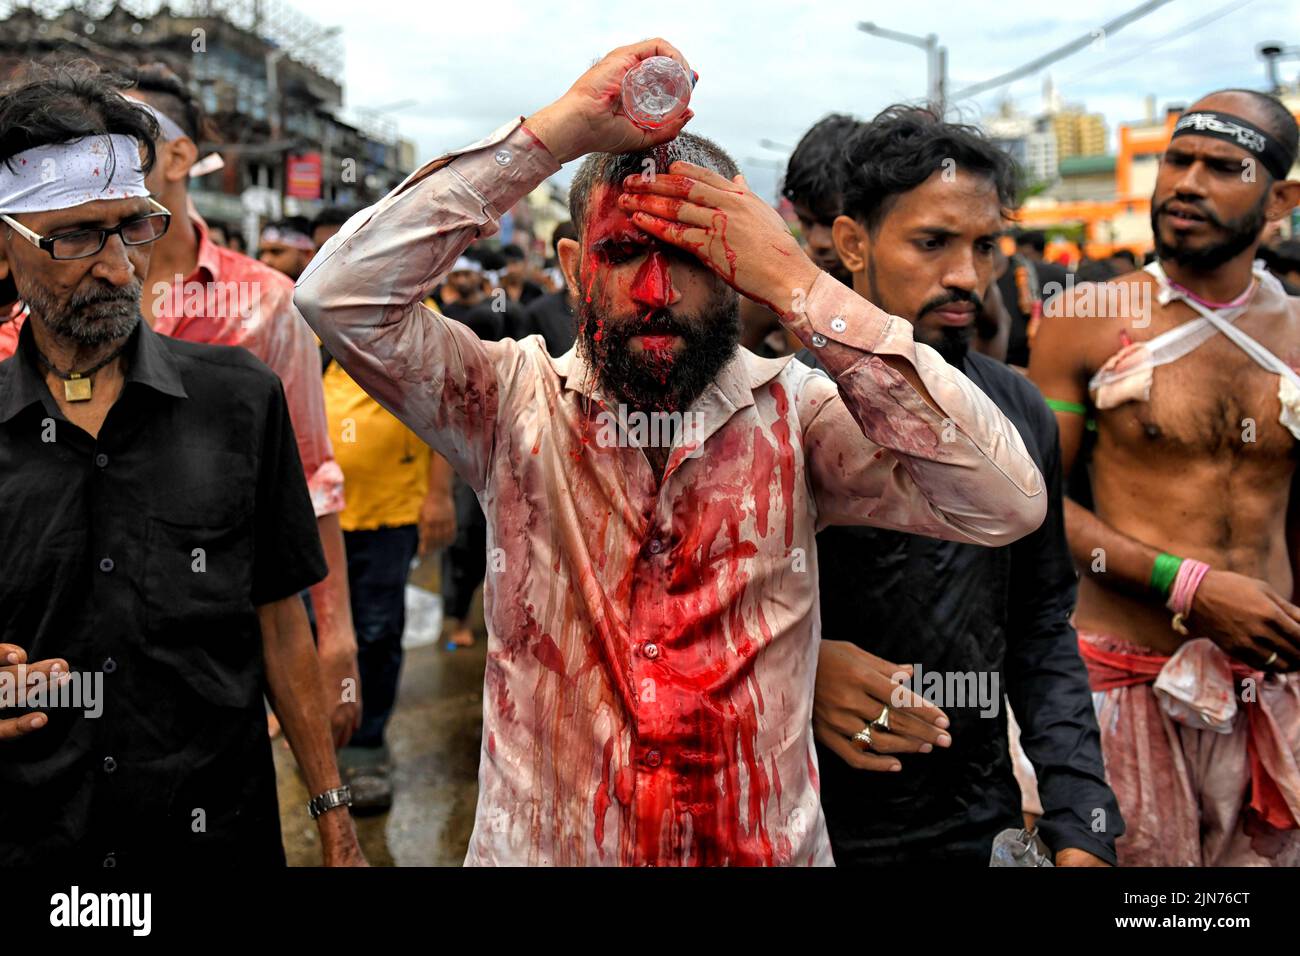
{"x": 385, "y": 467}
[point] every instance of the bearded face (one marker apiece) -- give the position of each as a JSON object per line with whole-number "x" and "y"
{"x": 94, "y": 314}
{"x": 655, "y": 324}
{"x": 661, "y": 360}
{"x": 1187, "y": 231}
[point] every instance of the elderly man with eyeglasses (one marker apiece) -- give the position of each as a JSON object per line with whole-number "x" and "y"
{"x": 157, "y": 531}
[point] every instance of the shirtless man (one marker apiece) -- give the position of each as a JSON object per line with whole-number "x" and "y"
{"x": 1193, "y": 460}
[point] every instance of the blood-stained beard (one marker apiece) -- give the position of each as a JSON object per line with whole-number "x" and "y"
{"x": 659, "y": 379}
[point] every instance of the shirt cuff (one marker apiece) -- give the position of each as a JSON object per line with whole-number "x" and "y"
{"x": 1062, "y": 835}
{"x": 325, "y": 485}
{"x": 834, "y": 313}
{"x": 506, "y": 166}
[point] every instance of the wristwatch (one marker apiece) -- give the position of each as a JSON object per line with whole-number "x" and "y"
{"x": 338, "y": 797}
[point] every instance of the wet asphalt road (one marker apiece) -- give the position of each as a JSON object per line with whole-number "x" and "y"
{"x": 434, "y": 740}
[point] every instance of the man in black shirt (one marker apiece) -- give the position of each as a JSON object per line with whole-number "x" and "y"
{"x": 923, "y": 204}
{"x": 513, "y": 276}
{"x": 551, "y": 315}
{"x": 1027, "y": 283}
{"x": 157, "y": 532}
{"x": 465, "y": 299}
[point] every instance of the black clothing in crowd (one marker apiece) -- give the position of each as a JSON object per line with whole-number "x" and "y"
{"x": 484, "y": 321}
{"x": 141, "y": 557}
{"x": 1044, "y": 279}
{"x": 551, "y": 317}
{"x": 966, "y": 609}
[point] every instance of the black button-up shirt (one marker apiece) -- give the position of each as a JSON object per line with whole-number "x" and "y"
{"x": 140, "y": 557}
{"x": 970, "y": 610}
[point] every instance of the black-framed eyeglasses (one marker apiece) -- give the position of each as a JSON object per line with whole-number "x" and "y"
{"x": 85, "y": 243}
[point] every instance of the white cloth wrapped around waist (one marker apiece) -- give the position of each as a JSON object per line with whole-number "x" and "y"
{"x": 1197, "y": 689}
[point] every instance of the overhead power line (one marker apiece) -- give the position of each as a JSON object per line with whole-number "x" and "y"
{"x": 1160, "y": 41}
{"x": 1073, "y": 46}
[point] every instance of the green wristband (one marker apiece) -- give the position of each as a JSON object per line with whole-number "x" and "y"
{"x": 1164, "y": 571}
{"x": 1074, "y": 408}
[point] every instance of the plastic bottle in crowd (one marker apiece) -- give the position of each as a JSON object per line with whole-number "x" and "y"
{"x": 656, "y": 91}
{"x": 1019, "y": 848}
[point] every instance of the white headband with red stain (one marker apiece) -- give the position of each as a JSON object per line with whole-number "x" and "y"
{"x": 288, "y": 237}
{"x": 63, "y": 175}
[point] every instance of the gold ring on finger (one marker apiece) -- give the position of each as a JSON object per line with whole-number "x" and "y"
{"x": 882, "y": 721}
{"x": 863, "y": 736}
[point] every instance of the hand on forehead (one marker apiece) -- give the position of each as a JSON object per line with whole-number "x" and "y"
{"x": 608, "y": 223}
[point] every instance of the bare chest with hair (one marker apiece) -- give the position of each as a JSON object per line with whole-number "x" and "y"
{"x": 1215, "y": 402}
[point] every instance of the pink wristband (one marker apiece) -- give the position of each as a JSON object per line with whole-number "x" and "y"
{"x": 1186, "y": 582}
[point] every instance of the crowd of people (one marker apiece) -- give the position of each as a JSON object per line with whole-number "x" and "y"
{"x": 938, "y": 562}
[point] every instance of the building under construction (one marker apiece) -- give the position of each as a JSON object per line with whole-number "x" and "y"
{"x": 269, "y": 78}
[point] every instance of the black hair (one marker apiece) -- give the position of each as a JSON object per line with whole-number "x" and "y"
{"x": 68, "y": 102}
{"x": 1281, "y": 125}
{"x": 612, "y": 168}
{"x": 1282, "y": 256}
{"x": 166, "y": 92}
{"x": 297, "y": 224}
{"x": 1095, "y": 270}
{"x": 1127, "y": 255}
{"x": 511, "y": 252}
{"x": 332, "y": 216}
{"x": 814, "y": 175}
{"x": 564, "y": 230}
{"x": 1036, "y": 239}
{"x": 903, "y": 147}
{"x": 487, "y": 257}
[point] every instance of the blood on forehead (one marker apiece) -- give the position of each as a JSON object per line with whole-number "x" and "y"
{"x": 606, "y": 222}
{"x": 607, "y": 226}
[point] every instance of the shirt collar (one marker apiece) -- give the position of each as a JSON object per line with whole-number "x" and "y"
{"x": 148, "y": 361}
{"x": 209, "y": 253}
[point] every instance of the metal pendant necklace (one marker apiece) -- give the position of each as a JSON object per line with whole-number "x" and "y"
{"x": 77, "y": 385}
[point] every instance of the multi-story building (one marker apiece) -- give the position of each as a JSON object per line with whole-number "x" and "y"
{"x": 269, "y": 78}
{"x": 1078, "y": 133}
{"x": 1029, "y": 140}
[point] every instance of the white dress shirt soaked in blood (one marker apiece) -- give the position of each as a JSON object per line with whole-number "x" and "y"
{"x": 653, "y": 645}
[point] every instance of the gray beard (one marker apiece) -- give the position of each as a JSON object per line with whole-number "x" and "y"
{"x": 87, "y": 320}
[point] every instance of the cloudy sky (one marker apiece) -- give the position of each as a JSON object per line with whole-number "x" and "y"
{"x": 770, "y": 68}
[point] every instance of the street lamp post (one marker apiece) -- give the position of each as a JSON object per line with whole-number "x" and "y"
{"x": 936, "y": 60}
{"x": 1271, "y": 53}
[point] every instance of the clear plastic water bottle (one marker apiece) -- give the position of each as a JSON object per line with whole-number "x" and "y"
{"x": 1019, "y": 848}
{"x": 656, "y": 92}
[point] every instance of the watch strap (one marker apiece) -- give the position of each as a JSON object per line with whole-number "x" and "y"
{"x": 330, "y": 799}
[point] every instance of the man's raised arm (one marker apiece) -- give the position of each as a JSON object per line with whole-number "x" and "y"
{"x": 362, "y": 292}
{"x": 908, "y": 442}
